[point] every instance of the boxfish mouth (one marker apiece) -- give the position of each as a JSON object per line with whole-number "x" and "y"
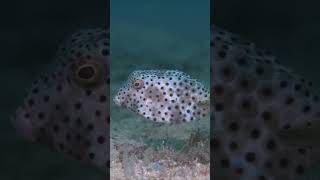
{"x": 22, "y": 123}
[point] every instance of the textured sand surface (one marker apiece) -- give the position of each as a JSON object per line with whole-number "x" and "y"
{"x": 167, "y": 170}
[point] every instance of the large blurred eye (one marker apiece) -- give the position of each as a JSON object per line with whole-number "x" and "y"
{"x": 137, "y": 84}
{"x": 88, "y": 74}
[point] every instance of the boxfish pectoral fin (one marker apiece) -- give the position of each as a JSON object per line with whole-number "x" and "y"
{"x": 204, "y": 104}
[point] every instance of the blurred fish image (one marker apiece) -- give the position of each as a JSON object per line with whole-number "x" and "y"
{"x": 265, "y": 117}
{"x": 68, "y": 109}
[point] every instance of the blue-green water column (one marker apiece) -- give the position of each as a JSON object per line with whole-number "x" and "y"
{"x": 166, "y": 34}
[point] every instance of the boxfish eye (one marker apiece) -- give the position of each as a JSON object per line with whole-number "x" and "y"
{"x": 88, "y": 74}
{"x": 137, "y": 84}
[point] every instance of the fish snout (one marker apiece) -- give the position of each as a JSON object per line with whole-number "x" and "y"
{"x": 21, "y": 121}
{"x": 118, "y": 101}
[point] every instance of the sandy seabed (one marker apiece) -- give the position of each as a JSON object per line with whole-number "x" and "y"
{"x": 167, "y": 170}
{"x": 143, "y": 163}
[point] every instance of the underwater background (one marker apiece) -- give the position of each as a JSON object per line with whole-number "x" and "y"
{"x": 32, "y": 30}
{"x": 156, "y": 35}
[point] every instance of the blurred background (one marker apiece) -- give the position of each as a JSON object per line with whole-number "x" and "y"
{"x": 289, "y": 29}
{"x": 30, "y": 34}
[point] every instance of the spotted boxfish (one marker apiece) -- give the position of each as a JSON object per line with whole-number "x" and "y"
{"x": 165, "y": 96}
{"x": 265, "y": 117}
